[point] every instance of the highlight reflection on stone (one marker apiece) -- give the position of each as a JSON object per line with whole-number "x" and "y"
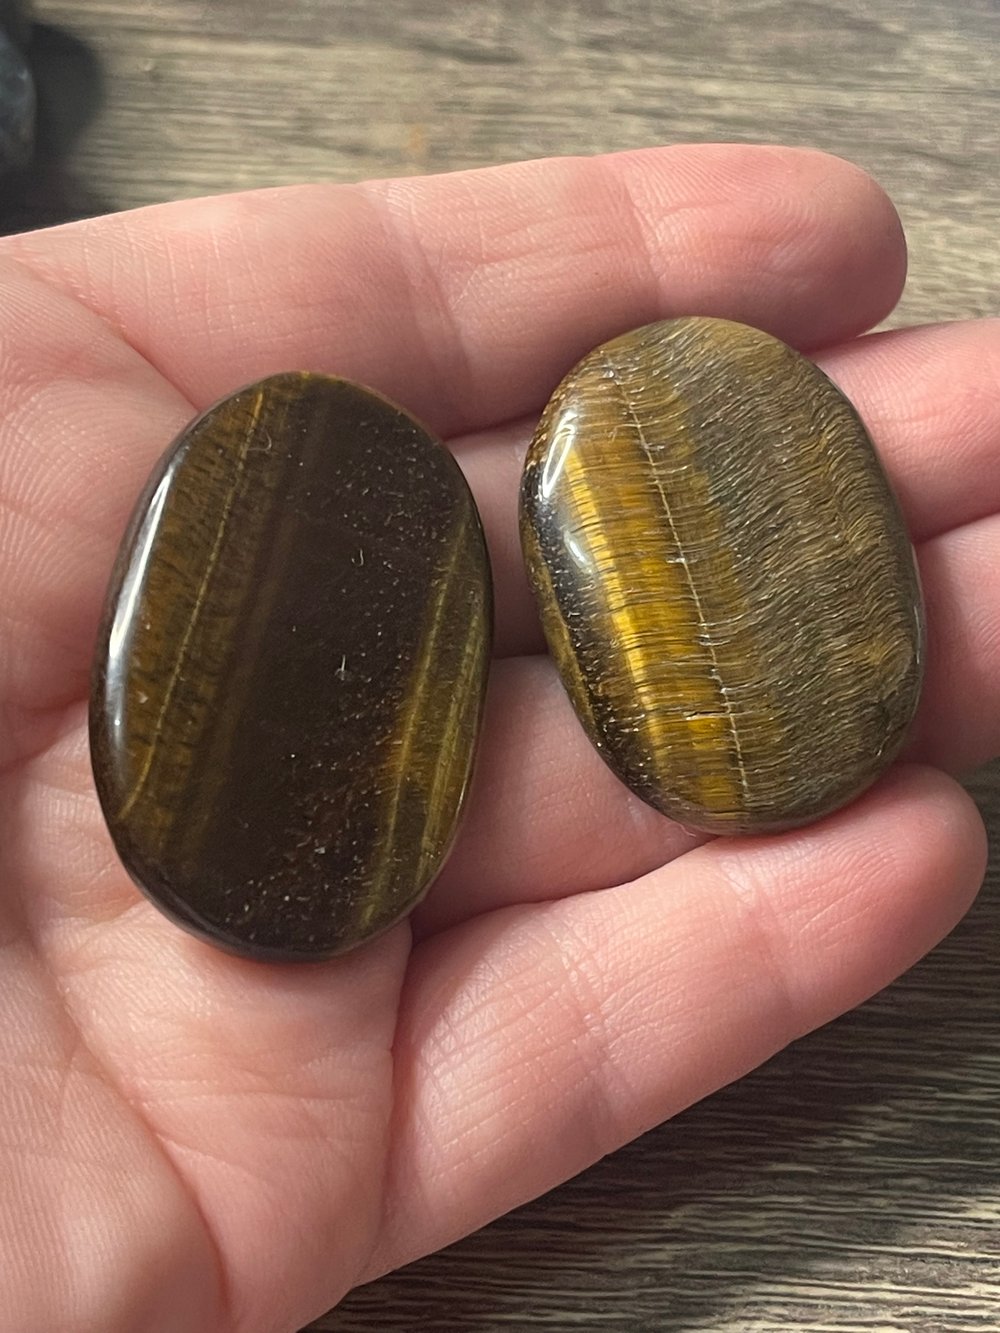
{"x": 291, "y": 669}
{"x": 723, "y": 575}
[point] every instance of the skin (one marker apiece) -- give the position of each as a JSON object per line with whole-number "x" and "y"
{"x": 191, "y": 1141}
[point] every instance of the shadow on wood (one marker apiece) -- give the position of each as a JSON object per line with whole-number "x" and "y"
{"x": 70, "y": 91}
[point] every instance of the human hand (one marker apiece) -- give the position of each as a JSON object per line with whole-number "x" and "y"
{"x": 190, "y": 1141}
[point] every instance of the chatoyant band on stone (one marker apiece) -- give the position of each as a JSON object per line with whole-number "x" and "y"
{"x": 292, "y": 663}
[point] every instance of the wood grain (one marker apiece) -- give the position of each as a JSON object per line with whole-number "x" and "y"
{"x": 854, "y": 1183}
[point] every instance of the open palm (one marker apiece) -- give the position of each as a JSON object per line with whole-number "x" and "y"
{"x": 192, "y": 1142}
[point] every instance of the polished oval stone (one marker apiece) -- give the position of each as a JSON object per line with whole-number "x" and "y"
{"x": 723, "y": 576}
{"x": 291, "y": 669}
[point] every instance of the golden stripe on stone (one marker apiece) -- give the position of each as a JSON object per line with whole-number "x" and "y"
{"x": 723, "y": 575}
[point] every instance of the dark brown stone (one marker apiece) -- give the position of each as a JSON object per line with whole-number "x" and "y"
{"x": 291, "y": 669}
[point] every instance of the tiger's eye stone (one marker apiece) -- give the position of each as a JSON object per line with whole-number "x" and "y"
{"x": 291, "y": 669}
{"x": 723, "y": 576}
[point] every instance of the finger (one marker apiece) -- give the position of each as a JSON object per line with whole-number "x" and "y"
{"x": 928, "y": 395}
{"x": 216, "y": 292}
{"x": 931, "y": 400}
{"x": 466, "y": 296}
{"x": 84, "y": 417}
{"x": 958, "y": 725}
{"x": 587, "y": 1021}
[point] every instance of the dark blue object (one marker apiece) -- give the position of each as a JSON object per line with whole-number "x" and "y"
{"x": 17, "y": 107}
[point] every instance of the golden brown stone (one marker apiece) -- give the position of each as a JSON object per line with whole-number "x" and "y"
{"x": 291, "y": 669}
{"x": 723, "y": 576}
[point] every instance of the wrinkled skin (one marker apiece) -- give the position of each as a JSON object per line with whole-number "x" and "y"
{"x": 193, "y": 1142}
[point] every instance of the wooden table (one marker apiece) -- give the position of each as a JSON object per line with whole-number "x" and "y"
{"x": 854, "y": 1183}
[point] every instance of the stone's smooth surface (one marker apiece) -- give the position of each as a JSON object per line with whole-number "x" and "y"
{"x": 17, "y": 107}
{"x": 291, "y": 669}
{"x": 723, "y": 576}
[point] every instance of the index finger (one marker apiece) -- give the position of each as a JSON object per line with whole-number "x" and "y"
{"x": 465, "y": 297}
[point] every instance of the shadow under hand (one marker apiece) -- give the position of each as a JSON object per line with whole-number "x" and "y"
{"x": 70, "y": 90}
{"x": 852, "y": 1178}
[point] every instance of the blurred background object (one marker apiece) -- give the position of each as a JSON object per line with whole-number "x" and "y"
{"x": 16, "y": 20}
{"x": 17, "y": 88}
{"x": 50, "y": 88}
